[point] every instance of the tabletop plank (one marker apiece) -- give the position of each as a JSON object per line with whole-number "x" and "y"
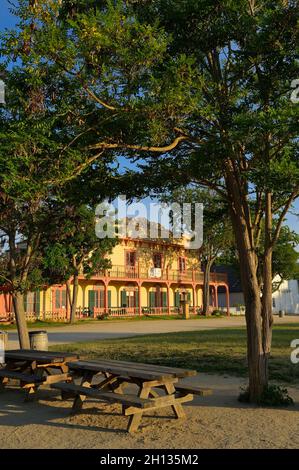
{"x": 99, "y": 366}
{"x": 39, "y": 356}
{"x": 177, "y": 371}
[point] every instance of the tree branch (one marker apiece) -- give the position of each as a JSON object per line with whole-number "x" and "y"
{"x": 293, "y": 196}
{"x": 141, "y": 148}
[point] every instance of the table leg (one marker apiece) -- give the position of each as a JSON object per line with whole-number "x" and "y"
{"x": 135, "y": 419}
{"x": 31, "y": 392}
{"x": 79, "y": 400}
{"x": 3, "y": 383}
{"x": 177, "y": 409}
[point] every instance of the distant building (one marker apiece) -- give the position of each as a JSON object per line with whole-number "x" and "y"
{"x": 287, "y": 297}
{"x": 236, "y": 297}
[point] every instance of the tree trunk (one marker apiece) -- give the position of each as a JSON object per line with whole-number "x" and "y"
{"x": 74, "y": 298}
{"x": 267, "y": 317}
{"x": 18, "y": 304}
{"x": 257, "y": 357}
{"x": 68, "y": 299}
{"x": 257, "y": 361}
{"x": 206, "y": 289}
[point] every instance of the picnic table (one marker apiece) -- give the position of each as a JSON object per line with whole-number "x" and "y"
{"x": 34, "y": 368}
{"x": 157, "y": 387}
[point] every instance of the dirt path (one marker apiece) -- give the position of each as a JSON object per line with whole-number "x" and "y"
{"x": 117, "y": 329}
{"x": 219, "y": 421}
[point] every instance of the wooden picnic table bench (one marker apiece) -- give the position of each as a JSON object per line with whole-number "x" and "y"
{"x": 34, "y": 368}
{"x": 114, "y": 376}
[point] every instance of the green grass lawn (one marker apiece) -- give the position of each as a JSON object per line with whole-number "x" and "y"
{"x": 221, "y": 351}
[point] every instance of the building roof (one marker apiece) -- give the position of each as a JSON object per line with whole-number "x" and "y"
{"x": 234, "y": 281}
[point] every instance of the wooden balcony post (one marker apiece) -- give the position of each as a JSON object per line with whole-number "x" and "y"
{"x": 194, "y": 299}
{"x": 168, "y": 298}
{"x": 216, "y": 296}
{"x": 105, "y": 297}
{"x": 139, "y": 296}
{"x": 227, "y": 300}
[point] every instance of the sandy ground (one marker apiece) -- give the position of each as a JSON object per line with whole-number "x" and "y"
{"x": 119, "y": 329}
{"x": 218, "y": 421}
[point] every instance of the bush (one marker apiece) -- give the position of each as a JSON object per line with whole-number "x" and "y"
{"x": 217, "y": 313}
{"x": 273, "y": 395}
{"x": 102, "y": 316}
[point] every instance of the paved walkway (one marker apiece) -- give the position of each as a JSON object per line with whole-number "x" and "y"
{"x": 118, "y": 329}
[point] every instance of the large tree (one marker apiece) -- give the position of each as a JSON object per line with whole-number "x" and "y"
{"x": 242, "y": 134}
{"x": 200, "y": 89}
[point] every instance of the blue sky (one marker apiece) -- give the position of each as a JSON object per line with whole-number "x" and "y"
{"x": 7, "y": 20}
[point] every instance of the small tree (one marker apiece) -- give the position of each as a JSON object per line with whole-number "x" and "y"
{"x": 217, "y": 231}
{"x": 77, "y": 250}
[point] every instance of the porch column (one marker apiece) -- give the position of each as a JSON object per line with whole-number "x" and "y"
{"x": 212, "y": 297}
{"x": 139, "y": 297}
{"x": 194, "y": 299}
{"x": 227, "y": 300}
{"x": 106, "y": 297}
{"x": 168, "y": 299}
{"x": 44, "y": 304}
{"x": 216, "y": 296}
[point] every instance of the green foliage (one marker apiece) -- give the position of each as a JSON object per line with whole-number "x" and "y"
{"x": 273, "y": 395}
{"x": 75, "y": 249}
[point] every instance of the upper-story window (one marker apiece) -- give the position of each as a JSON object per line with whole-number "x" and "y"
{"x": 157, "y": 259}
{"x": 182, "y": 264}
{"x": 131, "y": 258}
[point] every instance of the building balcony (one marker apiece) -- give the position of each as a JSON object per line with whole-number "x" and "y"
{"x": 158, "y": 275}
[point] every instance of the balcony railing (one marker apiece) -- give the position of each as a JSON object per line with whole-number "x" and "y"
{"x": 173, "y": 275}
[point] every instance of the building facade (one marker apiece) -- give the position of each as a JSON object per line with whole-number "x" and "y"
{"x": 286, "y": 297}
{"x": 146, "y": 277}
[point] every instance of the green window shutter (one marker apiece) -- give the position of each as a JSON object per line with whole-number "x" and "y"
{"x": 164, "y": 299}
{"x": 57, "y": 298}
{"x": 101, "y": 303}
{"x": 177, "y": 299}
{"x": 91, "y": 299}
{"x": 189, "y": 296}
{"x": 37, "y": 301}
{"x": 152, "y": 299}
{"x": 136, "y": 298}
{"x": 123, "y": 298}
{"x": 63, "y": 298}
{"x": 109, "y": 298}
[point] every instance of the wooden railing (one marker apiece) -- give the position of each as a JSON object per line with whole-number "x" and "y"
{"x": 174, "y": 275}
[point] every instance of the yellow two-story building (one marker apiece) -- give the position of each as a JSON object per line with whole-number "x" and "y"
{"x": 146, "y": 277}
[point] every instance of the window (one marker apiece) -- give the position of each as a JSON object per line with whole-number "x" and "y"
{"x": 129, "y": 298}
{"x": 31, "y": 302}
{"x": 96, "y": 298}
{"x": 157, "y": 259}
{"x": 182, "y": 264}
{"x": 157, "y": 298}
{"x": 59, "y": 297}
{"x": 131, "y": 259}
